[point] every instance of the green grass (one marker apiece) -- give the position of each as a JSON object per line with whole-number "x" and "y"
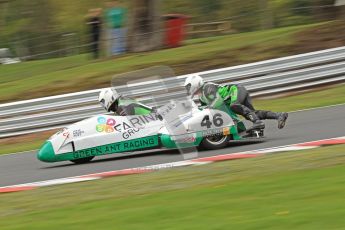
{"x": 70, "y": 74}
{"x": 325, "y": 97}
{"x": 298, "y": 190}
{"x": 23, "y": 146}
{"x": 322, "y": 97}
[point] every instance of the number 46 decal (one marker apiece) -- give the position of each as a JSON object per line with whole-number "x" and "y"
{"x": 217, "y": 121}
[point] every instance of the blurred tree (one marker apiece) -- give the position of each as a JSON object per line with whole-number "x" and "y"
{"x": 207, "y": 9}
{"x": 26, "y": 19}
{"x": 244, "y": 15}
{"x": 324, "y": 13}
{"x": 340, "y": 6}
{"x": 287, "y": 12}
{"x": 266, "y": 15}
{"x": 145, "y": 24}
{"x": 3, "y": 11}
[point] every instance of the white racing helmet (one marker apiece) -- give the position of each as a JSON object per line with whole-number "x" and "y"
{"x": 193, "y": 84}
{"x": 107, "y": 97}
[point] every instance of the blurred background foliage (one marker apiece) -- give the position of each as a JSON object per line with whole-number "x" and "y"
{"x": 26, "y": 26}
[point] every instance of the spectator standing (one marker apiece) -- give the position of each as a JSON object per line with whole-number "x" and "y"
{"x": 115, "y": 17}
{"x": 94, "y": 22}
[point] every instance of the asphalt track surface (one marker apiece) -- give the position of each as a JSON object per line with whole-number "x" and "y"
{"x": 303, "y": 126}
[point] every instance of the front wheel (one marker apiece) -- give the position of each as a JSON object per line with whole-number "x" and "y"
{"x": 215, "y": 142}
{"x": 82, "y": 160}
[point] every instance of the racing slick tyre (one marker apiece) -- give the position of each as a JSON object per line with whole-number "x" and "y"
{"x": 215, "y": 142}
{"x": 82, "y": 160}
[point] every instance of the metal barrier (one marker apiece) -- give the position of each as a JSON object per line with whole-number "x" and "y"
{"x": 261, "y": 78}
{"x": 219, "y": 27}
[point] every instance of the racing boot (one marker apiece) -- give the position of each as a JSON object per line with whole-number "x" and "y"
{"x": 257, "y": 123}
{"x": 282, "y": 117}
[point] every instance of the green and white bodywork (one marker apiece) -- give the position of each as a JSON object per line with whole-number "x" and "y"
{"x": 176, "y": 125}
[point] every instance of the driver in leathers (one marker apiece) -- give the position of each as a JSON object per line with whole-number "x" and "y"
{"x": 234, "y": 96}
{"x": 112, "y": 101}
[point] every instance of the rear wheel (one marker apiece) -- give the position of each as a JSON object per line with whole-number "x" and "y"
{"x": 215, "y": 142}
{"x": 82, "y": 160}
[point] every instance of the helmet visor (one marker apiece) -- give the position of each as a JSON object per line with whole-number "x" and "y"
{"x": 114, "y": 106}
{"x": 103, "y": 103}
{"x": 188, "y": 88}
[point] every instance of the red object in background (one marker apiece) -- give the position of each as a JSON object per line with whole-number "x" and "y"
{"x": 174, "y": 29}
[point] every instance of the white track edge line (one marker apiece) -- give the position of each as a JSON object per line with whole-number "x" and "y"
{"x": 93, "y": 176}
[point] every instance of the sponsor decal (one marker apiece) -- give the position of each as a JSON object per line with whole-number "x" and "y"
{"x": 66, "y": 134}
{"x": 77, "y": 133}
{"x": 124, "y": 146}
{"x": 134, "y": 125}
{"x": 212, "y": 132}
{"x": 60, "y": 131}
{"x": 185, "y": 138}
{"x": 128, "y": 128}
{"x": 136, "y": 122}
{"x": 130, "y": 132}
{"x": 105, "y": 125}
{"x": 226, "y": 131}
